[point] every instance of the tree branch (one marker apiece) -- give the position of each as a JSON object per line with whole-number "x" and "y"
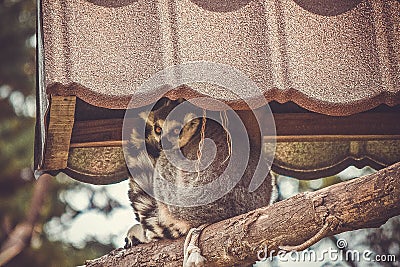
{"x": 22, "y": 233}
{"x": 364, "y": 202}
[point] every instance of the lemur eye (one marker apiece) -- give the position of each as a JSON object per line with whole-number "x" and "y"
{"x": 177, "y": 131}
{"x": 158, "y": 130}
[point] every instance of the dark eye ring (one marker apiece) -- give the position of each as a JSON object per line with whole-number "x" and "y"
{"x": 158, "y": 130}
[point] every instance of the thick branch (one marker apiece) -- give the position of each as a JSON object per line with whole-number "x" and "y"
{"x": 22, "y": 233}
{"x": 364, "y": 202}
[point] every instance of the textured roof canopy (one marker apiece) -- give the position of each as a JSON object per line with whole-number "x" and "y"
{"x": 331, "y": 57}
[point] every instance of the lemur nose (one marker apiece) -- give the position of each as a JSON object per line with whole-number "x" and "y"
{"x": 166, "y": 144}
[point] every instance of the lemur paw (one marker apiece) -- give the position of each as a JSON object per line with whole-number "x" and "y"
{"x": 135, "y": 236}
{"x": 128, "y": 243}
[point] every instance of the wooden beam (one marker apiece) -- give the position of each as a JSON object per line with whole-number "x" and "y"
{"x": 331, "y": 138}
{"x": 97, "y": 144}
{"x": 291, "y": 124}
{"x": 97, "y": 131}
{"x": 293, "y": 127}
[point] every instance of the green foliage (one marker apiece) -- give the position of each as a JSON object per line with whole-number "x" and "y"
{"x": 57, "y": 254}
{"x": 16, "y": 133}
{"x": 16, "y": 137}
{"x": 17, "y": 55}
{"x": 17, "y": 94}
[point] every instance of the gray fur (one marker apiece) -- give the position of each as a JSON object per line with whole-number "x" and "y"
{"x": 159, "y": 220}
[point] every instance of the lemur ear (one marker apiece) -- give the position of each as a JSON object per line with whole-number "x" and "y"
{"x": 147, "y": 116}
{"x": 189, "y": 117}
{"x": 180, "y": 100}
{"x": 164, "y": 101}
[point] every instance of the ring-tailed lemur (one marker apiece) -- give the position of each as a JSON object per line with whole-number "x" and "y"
{"x": 159, "y": 220}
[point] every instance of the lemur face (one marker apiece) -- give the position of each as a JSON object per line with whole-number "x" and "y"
{"x": 174, "y": 134}
{"x": 170, "y": 133}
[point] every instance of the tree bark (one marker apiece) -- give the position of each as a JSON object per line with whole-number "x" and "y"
{"x": 306, "y": 218}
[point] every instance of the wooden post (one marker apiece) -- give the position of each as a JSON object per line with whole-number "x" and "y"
{"x": 61, "y": 122}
